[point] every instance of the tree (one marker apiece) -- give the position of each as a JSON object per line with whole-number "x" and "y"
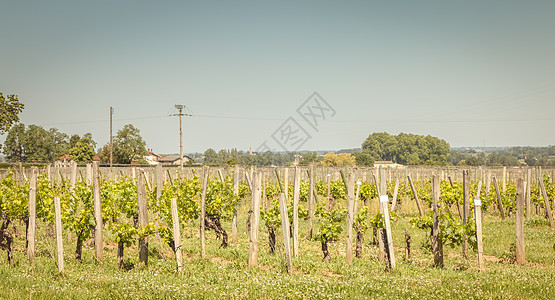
{"x": 10, "y": 108}
{"x": 343, "y": 159}
{"x": 83, "y": 150}
{"x": 307, "y": 158}
{"x": 410, "y": 149}
{"x": 363, "y": 159}
{"x": 35, "y": 144}
{"x": 14, "y": 147}
{"x": 128, "y": 146}
{"x": 210, "y": 157}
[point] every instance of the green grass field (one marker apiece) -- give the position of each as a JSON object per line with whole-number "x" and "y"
{"x": 224, "y": 273}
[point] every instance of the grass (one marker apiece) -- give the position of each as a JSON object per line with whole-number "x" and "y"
{"x": 224, "y": 273}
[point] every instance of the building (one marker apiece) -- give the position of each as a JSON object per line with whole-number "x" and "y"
{"x": 387, "y": 164}
{"x": 173, "y": 159}
{"x": 152, "y": 158}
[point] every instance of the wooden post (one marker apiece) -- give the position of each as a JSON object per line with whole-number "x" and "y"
{"x": 98, "y": 239}
{"x": 73, "y": 176}
{"x": 504, "y": 180}
{"x": 384, "y": 201}
{"x": 499, "y": 200}
{"x": 395, "y": 194}
{"x": 88, "y": 173}
{"x": 478, "y": 222}
{"x": 255, "y": 220}
{"x": 235, "y": 193}
{"x": 59, "y": 241}
{"x": 310, "y": 200}
{"x": 296, "y": 198}
{"x": 357, "y": 196}
{"x": 437, "y": 243}
{"x": 420, "y": 211}
{"x": 329, "y": 192}
{"x": 285, "y": 229}
{"x": 466, "y": 209}
{"x": 350, "y": 183}
{"x": 159, "y": 183}
{"x": 547, "y": 206}
{"x": 203, "y": 212}
{"x": 519, "y": 233}
{"x": 528, "y": 200}
{"x": 176, "y": 236}
{"x": 32, "y": 216}
{"x": 286, "y": 182}
{"x": 143, "y": 217}
{"x": 488, "y": 182}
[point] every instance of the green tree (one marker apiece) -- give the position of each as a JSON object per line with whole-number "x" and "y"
{"x": 363, "y": 159}
{"x": 128, "y": 145}
{"x": 82, "y": 151}
{"x": 410, "y": 149}
{"x": 14, "y": 147}
{"x": 210, "y": 157}
{"x": 10, "y": 108}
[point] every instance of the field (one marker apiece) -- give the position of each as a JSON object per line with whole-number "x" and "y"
{"x": 224, "y": 272}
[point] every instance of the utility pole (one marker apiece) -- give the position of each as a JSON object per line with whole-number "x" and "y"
{"x": 181, "y": 114}
{"x": 111, "y": 144}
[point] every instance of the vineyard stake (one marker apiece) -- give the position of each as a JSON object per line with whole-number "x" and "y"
{"x": 32, "y": 216}
{"x": 235, "y": 193}
{"x": 176, "y": 236}
{"x": 255, "y": 220}
{"x": 499, "y": 200}
{"x": 143, "y": 216}
{"x": 478, "y": 222}
{"x": 437, "y": 243}
{"x": 466, "y": 209}
{"x": 203, "y": 212}
{"x": 519, "y": 223}
{"x": 296, "y": 198}
{"x": 98, "y": 239}
{"x": 285, "y": 229}
{"x": 310, "y": 200}
{"x": 504, "y": 180}
{"x": 395, "y": 194}
{"x": 420, "y": 211}
{"x": 328, "y": 182}
{"x": 59, "y": 241}
{"x": 528, "y": 187}
{"x": 547, "y": 206}
{"x": 384, "y": 201}
{"x": 350, "y": 188}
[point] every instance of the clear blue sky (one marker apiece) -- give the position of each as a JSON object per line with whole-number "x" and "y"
{"x": 469, "y": 72}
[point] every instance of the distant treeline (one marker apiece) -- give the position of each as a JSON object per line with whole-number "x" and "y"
{"x": 514, "y": 156}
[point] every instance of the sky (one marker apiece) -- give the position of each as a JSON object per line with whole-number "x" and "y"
{"x": 474, "y": 73}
